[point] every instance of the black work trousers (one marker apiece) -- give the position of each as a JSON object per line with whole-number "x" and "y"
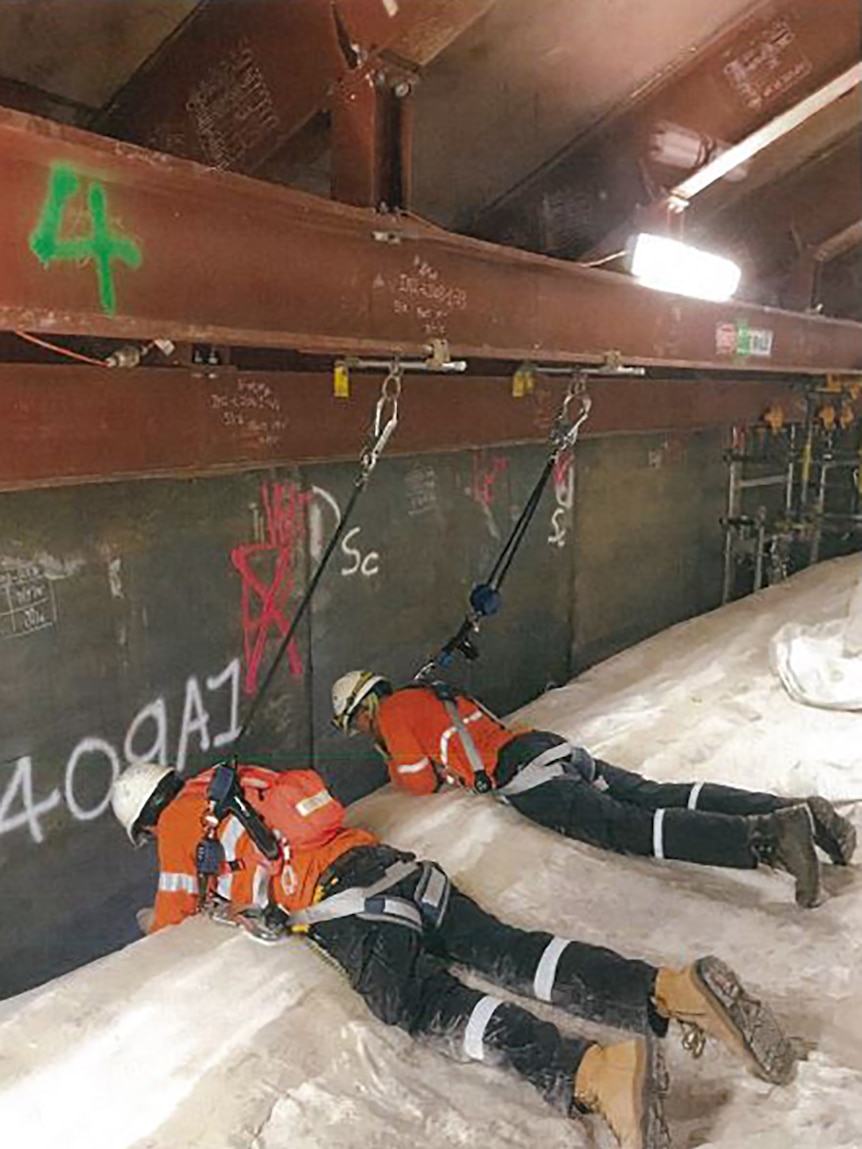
{"x": 402, "y": 975}
{"x": 622, "y": 811}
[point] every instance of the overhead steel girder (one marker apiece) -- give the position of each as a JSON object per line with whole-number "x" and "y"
{"x": 71, "y": 424}
{"x": 769, "y": 60}
{"x": 107, "y": 239}
{"x": 240, "y": 77}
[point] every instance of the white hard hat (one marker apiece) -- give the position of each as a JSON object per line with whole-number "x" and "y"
{"x": 133, "y": 789}
{"x": 348, "y": 693}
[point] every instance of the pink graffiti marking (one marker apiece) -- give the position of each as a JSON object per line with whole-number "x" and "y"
{"x": 264, "y": 602}
{"x": 486, "y": 474}
{"x": 562, "y": 470}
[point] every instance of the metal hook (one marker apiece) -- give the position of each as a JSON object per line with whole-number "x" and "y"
{"x": 386, "y": 412}
{"x": 565, "y": 430}
{"x": 385, "y": 419}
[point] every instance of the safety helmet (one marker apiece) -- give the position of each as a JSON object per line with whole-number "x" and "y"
{"x": 135, "y": 788}
{"x": 350, "y": 691}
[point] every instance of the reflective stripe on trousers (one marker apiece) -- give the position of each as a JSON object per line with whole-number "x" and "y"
{"x": 658, "y": 833}
{"x": 546, "y": 970}
{"x": 477, "y": 1023}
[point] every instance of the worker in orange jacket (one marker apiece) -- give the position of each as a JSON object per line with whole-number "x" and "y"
{"x": 432, "y": 734}
{"x": 392, "y": 923}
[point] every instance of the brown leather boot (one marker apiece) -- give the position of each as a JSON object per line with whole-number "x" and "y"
{"x": 624, "y": 1084}
{"x": 707, "y": 998}
{"x": 785, "y": 841}
{"x": 834, "y": 834}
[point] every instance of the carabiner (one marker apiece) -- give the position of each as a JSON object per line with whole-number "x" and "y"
{"x": 564, "y": 431}
{"x": 385, "y": 421}
{"x": 389, "y": 395}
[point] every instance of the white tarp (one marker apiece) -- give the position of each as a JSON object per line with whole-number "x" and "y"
{"x": 197, "y": 1038}
{"x": 821, "y": 665}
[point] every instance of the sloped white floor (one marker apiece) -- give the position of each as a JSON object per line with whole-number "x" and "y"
{"x": 199, "y": 1038}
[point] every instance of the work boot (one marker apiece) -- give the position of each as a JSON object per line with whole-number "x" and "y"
{"x": 707, "y": 998}
{"x": 785, "y": 841}
{"x": 836, "y": 836}
{"x": 624, "y": 1084}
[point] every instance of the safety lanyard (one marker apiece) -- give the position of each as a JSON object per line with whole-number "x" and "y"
{"x": 384, "y": 423}
{"x": 225, "y": 795}
{"x": 485, "y": 598}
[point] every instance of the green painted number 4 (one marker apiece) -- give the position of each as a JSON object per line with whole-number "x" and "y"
{"x": 100, "y": 243}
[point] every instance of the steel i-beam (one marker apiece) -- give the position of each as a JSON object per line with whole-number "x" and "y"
{"x": 108, "y": 239}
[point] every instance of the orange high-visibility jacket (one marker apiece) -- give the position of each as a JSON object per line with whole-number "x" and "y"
{"x": 296, "y": 804}
{"x": 421, "y": 744}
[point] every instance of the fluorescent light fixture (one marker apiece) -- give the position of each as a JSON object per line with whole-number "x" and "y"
{"x": 668, "y": 265}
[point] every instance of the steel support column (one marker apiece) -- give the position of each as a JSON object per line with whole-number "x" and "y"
{"x": 105, "y": 238}
{"x": 370, "y": 141}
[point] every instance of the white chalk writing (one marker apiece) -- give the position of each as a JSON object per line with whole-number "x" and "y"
{"x": 423, "y": 293}
{"x": 253, "y": 408}
{"x": 232, "y": 107}
{"x": 19, "y": 805}
{"x": 421, "y": 488}
{"x": 322, "y": 505}
{"x": 26, "y": 601}
{"x": 769, "y": 66}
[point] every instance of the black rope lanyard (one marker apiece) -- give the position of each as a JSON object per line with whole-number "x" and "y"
{"x": 485, "y": 597}
{"x": 384, "y": 423}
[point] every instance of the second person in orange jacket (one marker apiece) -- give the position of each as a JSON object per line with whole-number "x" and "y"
{"x": 432, "y": 734}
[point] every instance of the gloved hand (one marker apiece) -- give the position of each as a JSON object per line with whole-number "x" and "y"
{"x": 581, "y": 763}
{"x": 144, "y": 917}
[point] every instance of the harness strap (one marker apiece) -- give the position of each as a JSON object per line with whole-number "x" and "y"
{"x": 398, "y": 910}
{"x": 537, "y": 771}
{"x": 432, "y": 894}
{"x": 354, "y": 902}
{"x": 481, "y": 782}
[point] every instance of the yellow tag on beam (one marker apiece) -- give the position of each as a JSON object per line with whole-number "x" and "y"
{"x": 523, "y": 382}
{"x": 341, "y": 380}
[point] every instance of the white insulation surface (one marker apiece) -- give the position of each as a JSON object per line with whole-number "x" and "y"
{"x": 197, "y": 1037}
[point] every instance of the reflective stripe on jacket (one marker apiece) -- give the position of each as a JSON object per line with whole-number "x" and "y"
{"x": 420, "y": 741}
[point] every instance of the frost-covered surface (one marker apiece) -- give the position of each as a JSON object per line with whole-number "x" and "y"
{"x": 198, "y": 1037}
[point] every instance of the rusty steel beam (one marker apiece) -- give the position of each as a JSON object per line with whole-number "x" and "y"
{"x": 240, "y": 77}
{"x": 839, "y": 243}
{"x": 103, "y": 238}
{"x": 28, "y": 98}
{"x": 777, "y": 231}
{"x": 762, "y": 65}
{"x": 766, "y": 135}
{"x": 67, "y": 424}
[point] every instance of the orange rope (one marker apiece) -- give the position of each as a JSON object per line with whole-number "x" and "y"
{"x": 61, "y": 350}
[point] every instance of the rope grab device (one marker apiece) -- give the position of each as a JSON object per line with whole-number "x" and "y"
{"x": 485, "y": 597}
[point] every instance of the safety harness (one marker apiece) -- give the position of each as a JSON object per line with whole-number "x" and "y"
{"x": 542, "y": 768}
{"x": 225, "y": 797}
